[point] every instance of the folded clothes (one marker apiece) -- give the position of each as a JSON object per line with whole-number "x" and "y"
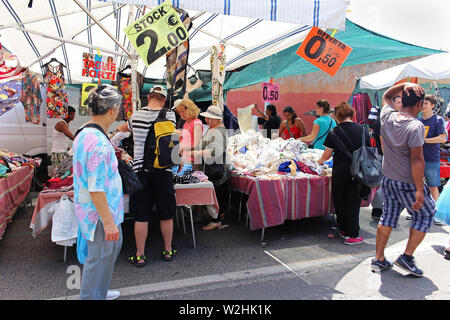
{"x": 57, "y": 183}
{"x": 186, "y": 178}
{"x": 201, "y": 175}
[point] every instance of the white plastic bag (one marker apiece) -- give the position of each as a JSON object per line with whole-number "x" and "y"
{"x": 64, "y": 221}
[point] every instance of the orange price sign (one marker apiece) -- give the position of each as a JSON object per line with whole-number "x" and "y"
{"x": 324, "y": 51}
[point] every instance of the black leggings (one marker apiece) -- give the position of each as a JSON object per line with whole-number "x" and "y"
{"x": 222, "y": 194}
{"x": 346, "y": 202}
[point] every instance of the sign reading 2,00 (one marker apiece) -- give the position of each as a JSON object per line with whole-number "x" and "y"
{"x": 157, "y": 33}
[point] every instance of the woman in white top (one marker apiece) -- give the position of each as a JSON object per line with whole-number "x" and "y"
{"x": 61, "y": 136}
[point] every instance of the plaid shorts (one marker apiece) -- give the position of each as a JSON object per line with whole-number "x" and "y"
{"x": 398, "y": 196}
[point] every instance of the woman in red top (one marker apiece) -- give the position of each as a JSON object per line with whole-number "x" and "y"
{"x": 192, "y": 131}
{"x": 293, "y": 127}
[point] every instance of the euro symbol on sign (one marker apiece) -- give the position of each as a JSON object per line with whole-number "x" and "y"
{"x": 172, "y": 20}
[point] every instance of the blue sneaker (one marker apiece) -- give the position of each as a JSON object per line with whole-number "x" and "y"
{"x": 378, "y": 266}
{"x": 408, "y": 265}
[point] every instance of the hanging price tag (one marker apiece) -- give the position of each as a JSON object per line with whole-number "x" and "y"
{"x": 323, "y": 51}
{"x": 270, "y": 91}
{"x": 157, "y": 33}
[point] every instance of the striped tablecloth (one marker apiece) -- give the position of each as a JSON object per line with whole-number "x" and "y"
{"x": 13, "y": 190}
{"x": 186, "y": 194}
{"x": 271, "y": 202}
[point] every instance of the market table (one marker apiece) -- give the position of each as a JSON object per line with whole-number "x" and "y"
{"x": 201, "y": 193}
{"x": 273, "y": 201}
{"x": 13, "y": 190}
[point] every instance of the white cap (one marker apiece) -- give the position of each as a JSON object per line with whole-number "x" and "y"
{"x": 159, "y": 89}
{"x": 213, "y": 112}
{"x": 176, "y": 103}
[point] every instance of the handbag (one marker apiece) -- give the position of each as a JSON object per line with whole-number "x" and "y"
{"x": 366, "y": 164}
{"x": 130, "y": 180}
{"x": 214, "y": 171}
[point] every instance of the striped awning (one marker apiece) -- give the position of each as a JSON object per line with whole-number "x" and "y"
{"x": 252, "y": 30}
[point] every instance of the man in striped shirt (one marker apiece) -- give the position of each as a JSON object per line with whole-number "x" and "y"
{"x": 157, "y": 184}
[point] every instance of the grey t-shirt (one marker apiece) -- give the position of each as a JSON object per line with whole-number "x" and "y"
{"x": 399, "y": 133}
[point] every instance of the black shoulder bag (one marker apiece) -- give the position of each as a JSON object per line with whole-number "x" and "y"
{"x": 130, "y": 181}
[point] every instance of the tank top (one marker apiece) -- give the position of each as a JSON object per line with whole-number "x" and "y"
{"x": 187, "y": 136}
{"x": 60, "y": 141}
{"x": 296, "y": 132}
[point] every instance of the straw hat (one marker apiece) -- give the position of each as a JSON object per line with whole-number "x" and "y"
{"x": 213, "y": 112}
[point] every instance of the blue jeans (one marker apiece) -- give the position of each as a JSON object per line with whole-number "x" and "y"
{"x": 433, "y": 174}
{"x": 99, "y": 265}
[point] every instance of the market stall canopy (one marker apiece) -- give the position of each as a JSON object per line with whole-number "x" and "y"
{"x": 368, "y": 46}
{"x": 252, "y": 30}
{"x": 434, "y": 67}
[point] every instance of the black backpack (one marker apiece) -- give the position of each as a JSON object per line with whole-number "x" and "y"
{"x": 162, "y": 144}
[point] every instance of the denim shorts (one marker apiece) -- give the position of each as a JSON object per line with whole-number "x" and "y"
{"x": 433, "y": 174}
{"x": 398, "y": 196}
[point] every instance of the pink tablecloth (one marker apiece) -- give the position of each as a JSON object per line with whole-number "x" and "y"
{"x": 186, "y": 194}
{"x": 13, "y": 190}
{"x": 271, "y": 202}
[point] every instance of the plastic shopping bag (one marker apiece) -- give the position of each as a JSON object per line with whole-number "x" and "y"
{"x": 443, "y": 205}
{"x": 82, "y": 248}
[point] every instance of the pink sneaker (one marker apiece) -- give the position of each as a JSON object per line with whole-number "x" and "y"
{"x": 351, "y": 241}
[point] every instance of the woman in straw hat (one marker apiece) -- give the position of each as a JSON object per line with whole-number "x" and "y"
{"x": 212, "y": 151}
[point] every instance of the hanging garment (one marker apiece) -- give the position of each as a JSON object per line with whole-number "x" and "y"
{"x": 123, "y": 82}
{"x": 9, "y": 95}
{"x": 218, "y": 73}
{"x": 177, "y": 60}
{"x": 57, "y": 100}
{"x": 362, "y": 105}
{"x": 31, "y": 98}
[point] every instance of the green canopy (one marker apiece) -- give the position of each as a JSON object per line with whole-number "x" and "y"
{"x": 368, "y": 46}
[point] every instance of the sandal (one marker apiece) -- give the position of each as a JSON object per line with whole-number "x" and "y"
{"x": 212, "y": 226}
{"x": 168, "y": 255}
{"x": 136, "y": 261}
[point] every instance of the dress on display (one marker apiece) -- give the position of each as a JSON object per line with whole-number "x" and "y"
{"x": 57, "y": 100}
{"x": 31, "y": 98}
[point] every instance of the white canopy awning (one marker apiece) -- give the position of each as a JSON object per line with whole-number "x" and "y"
{"x": 321, "y": 13}
{"x": 252, "y": 30}
{"x": 434, "y": 67}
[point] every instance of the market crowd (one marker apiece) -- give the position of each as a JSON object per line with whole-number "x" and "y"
{"x": 409, "y": 145}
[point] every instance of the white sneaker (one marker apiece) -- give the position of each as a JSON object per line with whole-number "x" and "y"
{"x": 112, "y": 295}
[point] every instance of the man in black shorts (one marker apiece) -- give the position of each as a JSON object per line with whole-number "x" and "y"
{"x": 157, "y": 184}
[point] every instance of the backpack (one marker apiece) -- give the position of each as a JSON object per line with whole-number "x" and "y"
{"x": 366, "y": 162}
{"x": 161, "y": 142}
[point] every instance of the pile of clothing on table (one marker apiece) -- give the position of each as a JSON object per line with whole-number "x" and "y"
{"x": 186, "y": 175}
{"x": 61, "y": 178}
{"x": 254, "y": 155}
{"x": 10, "y": 162}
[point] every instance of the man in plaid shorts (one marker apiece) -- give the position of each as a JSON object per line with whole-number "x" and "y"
{"x": 403, "y": 182}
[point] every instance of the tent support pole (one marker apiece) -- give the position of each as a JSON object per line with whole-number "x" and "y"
{"x": 74, "y": 42}
{"x": 133, "y": 60}
{"x": 45, "y": 55}
{"x": 102, "y": 27}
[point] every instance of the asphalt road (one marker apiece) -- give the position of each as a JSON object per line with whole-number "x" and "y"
{"x": 298, "y": 260}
